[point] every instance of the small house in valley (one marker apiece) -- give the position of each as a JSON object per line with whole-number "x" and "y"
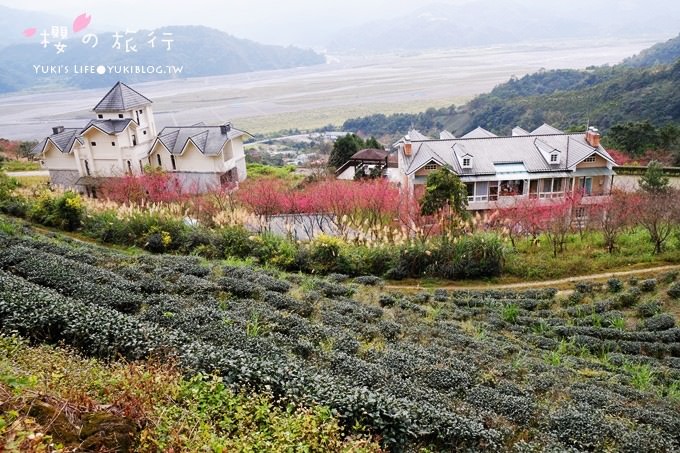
{"x": 122, "y": 139}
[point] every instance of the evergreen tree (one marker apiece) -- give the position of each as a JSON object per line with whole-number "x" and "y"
{"x": 653, "y": 181}
{"x": 444, "y": 188}
{"x": 344, "y": 148}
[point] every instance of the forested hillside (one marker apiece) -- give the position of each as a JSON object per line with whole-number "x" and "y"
{"x": 636, "y": 90}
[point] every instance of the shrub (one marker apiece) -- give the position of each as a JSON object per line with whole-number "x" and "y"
{"x": 368, "y": 280}
{"x": 157, "y": 240}
{"x": 630, "y": 297}
{"x": 240, "y": 287}
{"x": 275, "y": 251}
{"x": 585, "y": 287}
{"x": 7, "y": 185}
{"x": 412, "y": 261}
{"x": 235, "y": 241}
{"x": 575, "y": 298}
{"x": 370, "y": 260}
{"x": 614, "y": 285}
{"x": 670, "y": 276}
{"x": 674, "y": 290}
{"x": 478, "y": 256}
{"x": 647, "y": 286}
{"x": 648, "y": 310}
{"x": 326, "y": 255}
{"x": 658, "y": 322}
{"x": 65, "y": 211}
{"x": 333, "y": 290}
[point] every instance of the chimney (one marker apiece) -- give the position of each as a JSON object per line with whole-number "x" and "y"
{"x": 57, "y": 130}
{"x": 225, "y": 128}
{"x": 593, "y": 137}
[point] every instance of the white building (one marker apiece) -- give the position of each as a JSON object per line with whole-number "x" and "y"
{"x": 543, "y": 164}
{"x": 123, "y": 140}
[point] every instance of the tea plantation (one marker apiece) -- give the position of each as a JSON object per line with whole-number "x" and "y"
{"x": 593, "y": 369}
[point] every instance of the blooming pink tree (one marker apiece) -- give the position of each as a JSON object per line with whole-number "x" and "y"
{"x": 155, "y": 187}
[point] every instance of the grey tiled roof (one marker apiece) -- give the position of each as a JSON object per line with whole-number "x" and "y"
{"x": 109, "y": 126}
{"x": 63, "y": 141}
{"x": 479, "y": 132}
{"x": 208, "y": 139}
{"x": 446, "y": 135}
{"x": 121, "y": 98}
{"x": 487, "y": 151}
{"x": 546, "y": 129}
{"x": 519, "y": 131}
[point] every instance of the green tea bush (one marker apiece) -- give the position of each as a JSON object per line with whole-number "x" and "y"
{"x": 630, "y": 297}
{"x": 614, "y": 285}
{"x": 658, "y": 322}
{"x": 648, "y": 285}
{"x": 649, "y": 309}
{"x": 368, "y": 280}
{"x": 674, "y": 290}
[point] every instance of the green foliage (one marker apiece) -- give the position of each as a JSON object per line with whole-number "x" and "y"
{"x": 65, "y": 211}
{"x": 344, "y": 148}
{"x": 444, "y": 189}
{"x": 614, "y": 285}
{"x": 638, "y": 137}
{"x": 256, "y": 171}
{"x": 392, "y": 365}
{"x": 19, "y": 165}
{"x": 510, "y": 313}
{"x": 674, "y": 290}
{"x": 641, "y": 376}
{"x": 659, "y": 54}
{"x": 7, "y": 184}
{"x": 478, "y": 256}
{"x": 177, "y": 413}
{"x": 653, "y": 181}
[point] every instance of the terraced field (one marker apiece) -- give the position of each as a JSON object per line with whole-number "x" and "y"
{"x": 526, "y": 370}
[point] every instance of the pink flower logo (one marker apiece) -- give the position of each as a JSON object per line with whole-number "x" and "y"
{"x": 81, "y": 22}
{"x": 29, "y": 32}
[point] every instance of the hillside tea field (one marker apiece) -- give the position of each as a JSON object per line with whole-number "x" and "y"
{"x": 593, "y": 369}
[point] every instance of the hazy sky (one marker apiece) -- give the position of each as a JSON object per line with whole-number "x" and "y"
{"x": 270, "y": 21}
{"x": 300, "y": 22}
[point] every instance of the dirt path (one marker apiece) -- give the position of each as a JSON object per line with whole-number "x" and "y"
{"x": 545, "y": 283}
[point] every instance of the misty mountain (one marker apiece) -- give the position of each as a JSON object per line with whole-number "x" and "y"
{"x": 481, "y": 23}
{"x": 200, "y": 51}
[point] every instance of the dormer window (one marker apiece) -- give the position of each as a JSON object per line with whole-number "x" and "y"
{"x": 100, "y": 116}
{"x": 467, "y": 162}
{"x": 120, "y": 115}
{"x": 553, "y": 158}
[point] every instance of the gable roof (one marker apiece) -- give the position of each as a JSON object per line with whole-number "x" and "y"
{"x": 208, "y": 139}
{"x": 488, "y": 151}
{"x": 479, "y": 132}
{"x": 121, "y": 98}
{"x": 63, "y": 141}
{"x": 546, "y": 129}
{"x": 110, "y": 127}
